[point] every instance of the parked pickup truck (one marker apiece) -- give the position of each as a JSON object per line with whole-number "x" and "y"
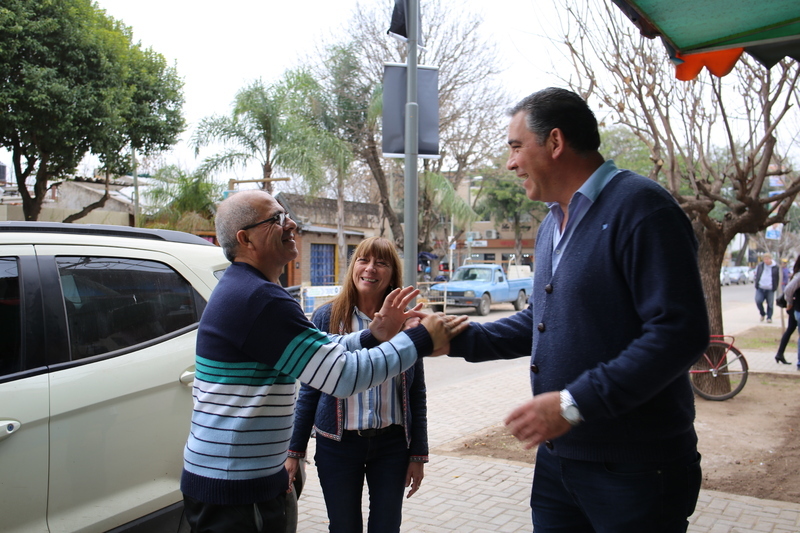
{"x": 479, "y": 286}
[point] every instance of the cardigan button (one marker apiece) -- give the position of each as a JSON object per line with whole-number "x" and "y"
{"x": 540, "y": 327}
{"x": 549, "y": 444}
{"x": 548, "y": 288}
{"x": 535, "y": 369}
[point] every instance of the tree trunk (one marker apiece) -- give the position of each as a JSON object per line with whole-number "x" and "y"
{"x": 91, "y": 207}
{"x": 710, "y": 255}
{"x": 370, "y": 155}
{"x": 711, "y": 252}
{"x": 340, "y": 240}
{"x": 266, "y": 171}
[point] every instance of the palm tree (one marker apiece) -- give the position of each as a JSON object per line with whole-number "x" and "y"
{"x": 275, "y": 126}
{"x": 181, "y": 200}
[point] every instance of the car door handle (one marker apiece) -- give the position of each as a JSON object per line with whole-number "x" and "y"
{"x": 187, "y": 377}
{"x": 8, "y": 428}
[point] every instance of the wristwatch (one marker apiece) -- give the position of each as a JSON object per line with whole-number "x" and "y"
{"x": 569, "y": 409}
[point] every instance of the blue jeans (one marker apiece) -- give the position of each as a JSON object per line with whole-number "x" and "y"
{"x": 342, "y": 467}
{"x": 761, "y": 296}
{"x": 571, "y": 496}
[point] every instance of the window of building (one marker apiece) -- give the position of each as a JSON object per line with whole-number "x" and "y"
{"x": 323, "y": 261}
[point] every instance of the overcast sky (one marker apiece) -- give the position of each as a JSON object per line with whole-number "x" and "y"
{"x": 219, "y": 47}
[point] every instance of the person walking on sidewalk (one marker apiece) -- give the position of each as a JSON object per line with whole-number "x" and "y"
{"x": 791, "y": 294}
{"x": 617, "y": 319}
{"x": 380, "y": 434}
{"x": 766, "y": 285}
{"x": 791, "y": 323}
{"x": 253, "y": 343}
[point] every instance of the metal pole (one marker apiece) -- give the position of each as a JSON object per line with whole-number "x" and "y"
{"x": 411, "y": 149}
{"x": 135, "y": 190}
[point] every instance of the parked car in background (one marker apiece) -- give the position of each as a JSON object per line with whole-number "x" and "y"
{"x": 97, "y": 358}
{"x": 738, "y": 274}
{"x": 751, "y": 275}
{"x": 724, "y": 276}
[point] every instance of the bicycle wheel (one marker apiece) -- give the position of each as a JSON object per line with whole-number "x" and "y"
{"x": 720, "y": 373}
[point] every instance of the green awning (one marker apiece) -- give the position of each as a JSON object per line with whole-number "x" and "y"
{"x": 768, "y": 30}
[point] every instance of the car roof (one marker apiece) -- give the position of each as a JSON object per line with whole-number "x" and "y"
{"x": 101, "y": 230}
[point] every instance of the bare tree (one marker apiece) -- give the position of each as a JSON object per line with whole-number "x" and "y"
{"x": 713, "y": 142}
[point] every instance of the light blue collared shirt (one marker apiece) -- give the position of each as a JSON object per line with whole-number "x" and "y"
{"x": 377, "y": 407}
{"x": 579, "y": 205}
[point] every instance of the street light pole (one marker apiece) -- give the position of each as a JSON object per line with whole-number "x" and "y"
{"x": 411, "y": 149}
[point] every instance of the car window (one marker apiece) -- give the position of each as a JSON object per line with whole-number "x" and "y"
{"x": 113, "y": 303}
{"x": 10, "y": 317}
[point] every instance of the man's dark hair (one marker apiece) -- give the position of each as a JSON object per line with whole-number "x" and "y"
{"x": 559, "y": 108}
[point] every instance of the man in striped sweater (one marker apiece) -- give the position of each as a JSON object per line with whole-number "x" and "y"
{"x": 253, "y": 343}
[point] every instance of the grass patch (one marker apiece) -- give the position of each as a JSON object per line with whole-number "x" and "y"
{"x": 763, "y": 338}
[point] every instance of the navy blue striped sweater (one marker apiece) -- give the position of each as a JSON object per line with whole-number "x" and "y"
{"x": 253, "y": 343}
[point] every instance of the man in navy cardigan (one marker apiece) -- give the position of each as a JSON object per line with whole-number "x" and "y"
{"x": 617, "y": 318}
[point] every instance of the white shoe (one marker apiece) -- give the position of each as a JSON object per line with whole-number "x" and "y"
{"x": 762, "y": 318}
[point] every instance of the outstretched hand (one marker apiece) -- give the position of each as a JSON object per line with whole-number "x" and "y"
{"x": 388, "y": 321}
{"x": 442, "y": 328}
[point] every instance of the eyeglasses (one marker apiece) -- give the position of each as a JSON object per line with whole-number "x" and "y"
{"x": 279, "y": 219}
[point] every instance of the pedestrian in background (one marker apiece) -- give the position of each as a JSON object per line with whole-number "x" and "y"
{"x": 791, "y": 324}
{"x": 767, "y": 273}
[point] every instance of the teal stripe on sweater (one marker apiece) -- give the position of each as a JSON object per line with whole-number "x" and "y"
{"x": 300, "y": 351}
{"x": 240, "y": 373}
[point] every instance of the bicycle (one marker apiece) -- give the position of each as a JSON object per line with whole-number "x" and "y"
{"x": 721, "y": 372}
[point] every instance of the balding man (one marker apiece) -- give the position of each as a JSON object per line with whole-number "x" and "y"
{"x": 253, "y": 343}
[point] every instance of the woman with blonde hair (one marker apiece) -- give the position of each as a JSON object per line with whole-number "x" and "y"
{"x": 380, "y": 434}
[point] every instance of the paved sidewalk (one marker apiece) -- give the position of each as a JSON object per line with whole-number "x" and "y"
{"x": 480, "y": 495}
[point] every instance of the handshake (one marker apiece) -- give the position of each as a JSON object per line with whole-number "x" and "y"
{"x": 394, "y": 316}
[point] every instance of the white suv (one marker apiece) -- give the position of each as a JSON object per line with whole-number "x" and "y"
{"x": 97, "y": 345}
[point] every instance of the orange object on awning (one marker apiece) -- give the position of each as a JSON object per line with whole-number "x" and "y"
{"x": 719, "y": 63}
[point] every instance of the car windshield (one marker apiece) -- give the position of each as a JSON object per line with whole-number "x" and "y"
{"x": 470, "y": 274}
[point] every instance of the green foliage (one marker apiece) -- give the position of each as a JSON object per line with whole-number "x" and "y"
{"x": 626, "y": 149}
{"x": 71, "y": 82}
{"x": 438, "y": 191}
{"x": 504, "y": 198}
{"x": 178, "y": 192}
{"x": 278, "y": 126}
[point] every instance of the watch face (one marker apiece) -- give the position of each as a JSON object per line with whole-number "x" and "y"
{"x": 571, "y": 414}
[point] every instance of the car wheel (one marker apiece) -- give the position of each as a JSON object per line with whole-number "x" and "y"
{"x": 485, "y": 305}
{"x": 519, "y": 303}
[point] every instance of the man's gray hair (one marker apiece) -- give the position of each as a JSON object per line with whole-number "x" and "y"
{"x": 234, "y": 213}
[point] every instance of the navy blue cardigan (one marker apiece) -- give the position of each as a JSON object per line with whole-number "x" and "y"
{"x": 324, "y": 412}
{"x": 618, "y": 325}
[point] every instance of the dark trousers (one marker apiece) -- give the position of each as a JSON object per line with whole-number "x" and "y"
{"x": 791, "y": 325}
{"x": 261, "y": 517}
{"x": 342, "y": 467}
{"x": 571, "y": 496}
